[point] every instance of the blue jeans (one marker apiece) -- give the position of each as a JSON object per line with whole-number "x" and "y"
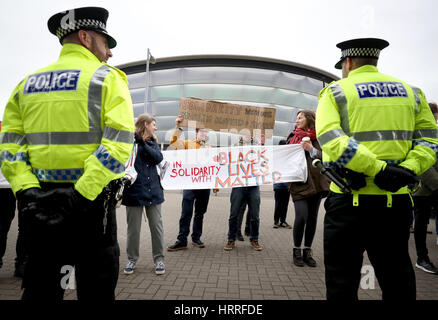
{"x": 239, "y": 196}
{"x": 199, "y": 200}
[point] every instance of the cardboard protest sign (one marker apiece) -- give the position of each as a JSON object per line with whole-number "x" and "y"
{"x": 226, "y": 116}
{"x": 232, "y": 167}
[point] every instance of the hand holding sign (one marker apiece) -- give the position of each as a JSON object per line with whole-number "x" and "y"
{"x": 179, "y": 120}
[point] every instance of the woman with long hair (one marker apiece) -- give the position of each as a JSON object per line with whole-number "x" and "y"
{"x": 306, "y": 195}
{"x": 147, "y": 193}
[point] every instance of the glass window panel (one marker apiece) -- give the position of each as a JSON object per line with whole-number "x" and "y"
{"x": 137, "y": 80}
{"x": 165, "y": 108}
{"x": 165, "y": 122}
{"x": 282, "y": 128}
{"x": 284, "y": 113}
{"x": 229, "y": 75}
{"x": 165, "y": 93}
{"x": 229, "y": 92}
{"x": 137, "y": 95}
{"x": 299, "y": 83}
{"x": 138, "y": 109}
{"x": 296, "y": 99}
{"x": 165, "y": 77}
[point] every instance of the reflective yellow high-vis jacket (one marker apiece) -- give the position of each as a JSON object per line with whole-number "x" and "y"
{"x": 369, "y": 120}
{"x": 71, "y": 121}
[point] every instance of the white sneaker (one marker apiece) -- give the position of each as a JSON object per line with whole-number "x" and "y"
{"x": 160, "y": 268}
{"x": 129, "y": 267}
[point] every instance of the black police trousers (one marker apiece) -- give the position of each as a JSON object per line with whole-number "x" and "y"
{"x": 79, "y": 242}
{"x": 381, "y": 231}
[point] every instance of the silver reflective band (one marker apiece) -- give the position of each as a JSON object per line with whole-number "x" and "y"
{"x": 330, "y": 135}
{"x": 12, "y": 137}
{"x": 383, "y": 135}
{"x": 118, "y": 135}
{"x": 58, "y": 174}
{"x": 335, "y": 165}
{"x": 95, "y": 98}
{"x": 417, "y": 99}
{"x": 426, "y": 133}
{"x": 341, "y": 101}
{"x": 62, "y": 138}
{"x": 108, "y": 161}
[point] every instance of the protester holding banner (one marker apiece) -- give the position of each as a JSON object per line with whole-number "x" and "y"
{"x": 306, "y": 195}
{"x": 239, "y": 197}
{"x": 197, "y": 199}
{"x": 281, "y": 196}
{"x": 243, "y": 209}
{"x": 145, "y": 192}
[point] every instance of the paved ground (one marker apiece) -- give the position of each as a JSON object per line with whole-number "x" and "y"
{"x": 212, "y": 273}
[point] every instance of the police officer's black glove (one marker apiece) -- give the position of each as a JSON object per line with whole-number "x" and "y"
{"x": 29, "y": 201}
{"x": 392, "y": 178}
{"x": 62, "y": 203}
{"x": 139, "y": 140}
{"x": 355, "y": 179}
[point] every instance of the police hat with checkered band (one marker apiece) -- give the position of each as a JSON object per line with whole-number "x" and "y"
{"x": 361, "y": 48}
{"x": 88, "y": 18}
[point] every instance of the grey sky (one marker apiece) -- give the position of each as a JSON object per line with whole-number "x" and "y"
{"x": 300, "y": 31}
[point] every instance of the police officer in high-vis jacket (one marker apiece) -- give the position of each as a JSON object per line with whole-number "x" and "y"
{"x": 379, "y": 133}
{"x": 67, "y": 131}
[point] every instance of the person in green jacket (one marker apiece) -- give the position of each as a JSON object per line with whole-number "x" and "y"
{"x": 379, "y": 133}
{"x": 67, "y": 131}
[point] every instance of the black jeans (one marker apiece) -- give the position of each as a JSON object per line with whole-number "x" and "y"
{"x": 380, "y": 230}
{"x": 79, "y": 241}
{"x": 422, "y": 209}
{"x": 7, "y": 214}
{"x": 199, "y": 200}
{"x": 239, "y": 196}
{"x": 281, "y": 204}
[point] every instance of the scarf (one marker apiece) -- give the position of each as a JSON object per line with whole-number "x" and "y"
{"x": 299, "y": 134}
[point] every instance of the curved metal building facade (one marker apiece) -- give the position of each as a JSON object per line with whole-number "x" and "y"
{"x": 283, "y": 85}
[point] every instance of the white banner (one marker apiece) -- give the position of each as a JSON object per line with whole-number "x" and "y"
{"x": 232, "y": 167}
